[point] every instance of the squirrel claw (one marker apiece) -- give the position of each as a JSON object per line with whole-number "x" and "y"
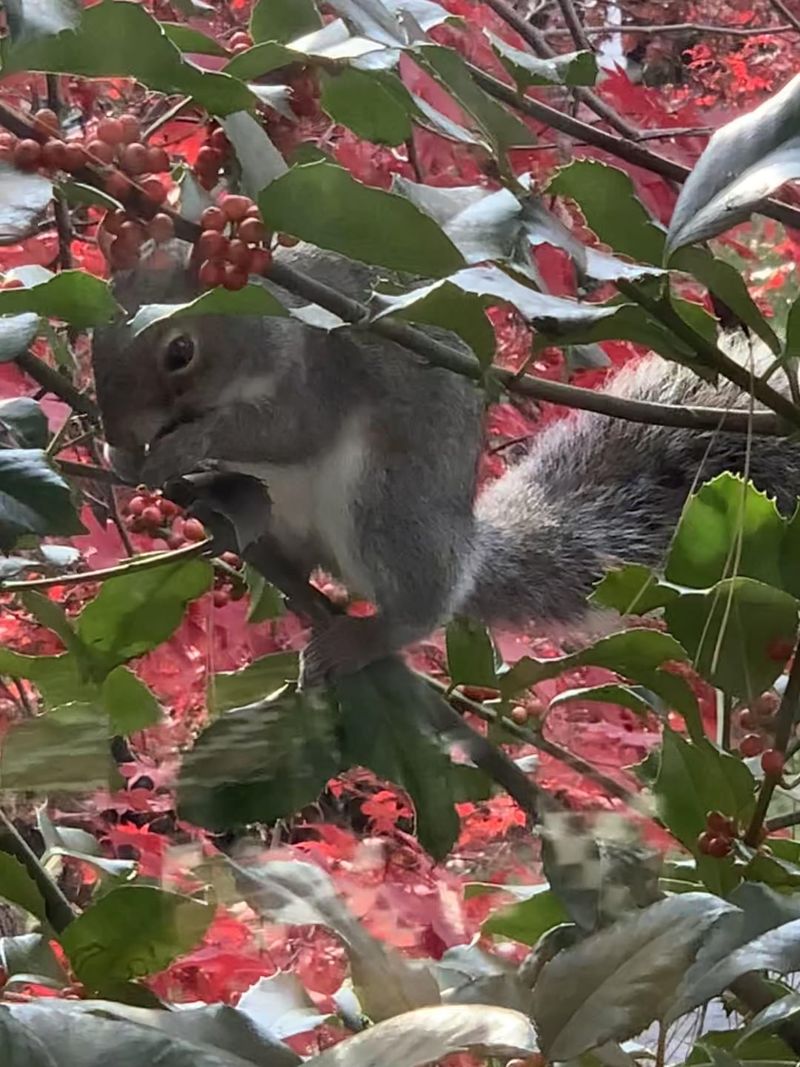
{"x": 344, "y": 646}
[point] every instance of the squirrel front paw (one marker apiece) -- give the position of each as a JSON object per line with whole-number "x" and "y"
{"x": 343, "y": 646}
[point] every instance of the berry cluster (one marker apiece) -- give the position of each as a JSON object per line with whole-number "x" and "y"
{"x": 240, "y": 42}
{"x": 129, "y": 234}
{"x": 718, "y": 837}
{"x": 211, "y": 158}
{"x": 234, "y": 243}
{"x": 150, "y": 512}
{"x": 758, "y": 723}
{"x": 531, "y": 708}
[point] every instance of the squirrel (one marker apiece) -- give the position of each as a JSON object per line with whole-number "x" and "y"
{"x": 370, "y": 459}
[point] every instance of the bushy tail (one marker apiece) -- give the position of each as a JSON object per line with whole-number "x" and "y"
{"x": 595, "y": 491}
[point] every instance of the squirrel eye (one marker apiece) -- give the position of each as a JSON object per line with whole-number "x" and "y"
{"x": 180, "y": 353}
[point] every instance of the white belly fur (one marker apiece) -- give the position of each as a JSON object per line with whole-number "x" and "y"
{"x": 311, "y": 503}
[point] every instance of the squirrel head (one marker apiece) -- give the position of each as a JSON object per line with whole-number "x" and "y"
{"x": 178, "y": 370}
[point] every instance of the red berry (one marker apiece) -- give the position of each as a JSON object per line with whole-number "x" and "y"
{"x": 117, "y": 185}
{"x": 122, "y": 255}
{"x": 751, "y": 745}
{"x": 221, "y": 598}
{"x": 235, "y": 278}
{"x": 168, "y": 508}
{"x": 213, "y": 218}
{"x": 519, "y": 715}
{"x": 27, "y": 154}
{"x": 152, "y": 515}
{"x": 100, "y": 152}
{"x": 219, "y": 139}
{"x": 719, "y": 847}
{"x": 211, "y": 273}
{"x": 703, "y": 842}
{"x": 748, "y": 720}
{"x": 54, "y": 155}
{"x": 772, "y": 763}
{"x": 239, "y": 254}
{"x": 252, "y": 230}
{"x": 209, "y": 160}
{"x": 287, "y": 240}
{"x": 207, "y": 181}
{"x": 231, "y": 559}
{"x": 133, "y": 158}
{"x": 261, "y": 261}
{"x": 75, "y": 158}
{"x": 110, "y": 131}
{"x": 193, "y": 530}
{"x": 766, "y": 706}
{"x": 7, "y": 140}
{"x": 237, "y": 49}
{"x": 131, "y": 128}
{"x": 161, "y": 228}
{"x": 717, "y": 823}
{"x": 236, "y": 207}
{"x": 46, "y": 121}
{"x": 157, "y": 160}
{"x": 131, "y": 233}
{"x": 780, "y": 649}
{"x": 175, "y": 540}
{"x": 240, "y": 37}
{"x": 212, "y": 244}
{"x": 137, "y": 505}
{"x": 153, "y": 190}
{"x": 12, "y": 283}
{"x": 113, "y": 220}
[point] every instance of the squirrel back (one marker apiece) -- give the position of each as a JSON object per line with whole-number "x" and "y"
{"x": 594, "y": 492}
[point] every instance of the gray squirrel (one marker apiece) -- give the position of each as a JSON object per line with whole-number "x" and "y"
{"x": 370, "y": 459}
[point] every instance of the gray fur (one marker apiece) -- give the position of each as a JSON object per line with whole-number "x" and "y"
{"x": 596, "y": 491}
{"x": 294, "y": 405}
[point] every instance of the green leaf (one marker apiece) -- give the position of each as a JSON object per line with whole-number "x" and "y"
{"x": 323, "y": 204}
{"x": 65, "y": 750}
{"x": 57, "y": 678}
{"x": 259, "y": 764}
{"x": 117, "y": 39}
{"x": 283, "y": 20}
{"x": 137, "y": 611}
{"x": 383, "y": 21}
{"x": 252, "y": 684}
{"x": 23, "y": 423}
{"x": 33, "y": 498}
{"x": 254, "y": 299}
{"x": 24, "y": 198}
{"x": 569, "y": 68}
{"x": 502, "y": 128}
{"x": 259, "y": 159}
{"x": 693, "y": 779}
{"x": 743, "y": 162}
{"x": 611, "y": 208}
{"x": 266, "y": 602}
{"x": 262, "y": 59}
{"x": 16, "y": 333}
{"x": 638, "y": 655}
{"x": 727, "y": 528}
{"x": 188, "y": 39}
{"x": 730, "y": 630}
{"x": 445, "y": 305}
{"x": 131, "y": 932}
{"x": 129, "y": 703}
{"x": 389, "y": 726}
{"x": 17, "y": 887}
{"x": 527, "y": 920}
{"x": 792, "y": 348}
{"x": 89, "y": 195}
{"x": 471, "y": 657}
{"x": 727, "y": 283}
{"x": 632, "y": 590}
{"x": 374, "y": 104}
{"x": 333, "y": 42}
{"x": 623, "y": 695}
{"x": 73, "y": 296}
{"x": 27, "y": 954}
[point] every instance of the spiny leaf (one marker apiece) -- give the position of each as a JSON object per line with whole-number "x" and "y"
{"x": 283, "y": 20}
{"x": 17, "y": 887}
{"x": 24, "y": 198}
{"x": 374, "y": 104}
{"x": 569, "y": 68}
{"x": 254, "y": 299}
{"x": 73, "y": 296}
{"x": 33, "y": 498}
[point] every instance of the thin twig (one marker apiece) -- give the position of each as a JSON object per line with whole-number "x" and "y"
{"x": 60, "y": 205}
{"x": 137, "y": 564}
{"x": 784, "y": 724}
{"x": 87, "y": 470}
{"x": 53, "y": 382}
{"x": 783, "y": 10}
{"x": 574, "y": 25}
{"x": 538, "y": 43}
{"x": 782, "y": 822}
{"x": 57, "y": 908}
{"x": 675, "y": 27}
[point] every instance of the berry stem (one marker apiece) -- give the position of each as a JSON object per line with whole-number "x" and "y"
{"x": 784, "y": 724}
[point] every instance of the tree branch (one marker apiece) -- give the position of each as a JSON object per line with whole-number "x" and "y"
{"x": 574, "y": 25}
{"x": 52, "y": 382}
{"x": 676, "y": 27}
{"x": 783, "y": 10}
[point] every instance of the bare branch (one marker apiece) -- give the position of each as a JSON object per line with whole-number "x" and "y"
{"x": 783, "y": 10}
{"x": 676, "y": 28}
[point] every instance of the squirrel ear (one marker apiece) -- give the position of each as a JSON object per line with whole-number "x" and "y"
{"x": 161, "y": 275}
